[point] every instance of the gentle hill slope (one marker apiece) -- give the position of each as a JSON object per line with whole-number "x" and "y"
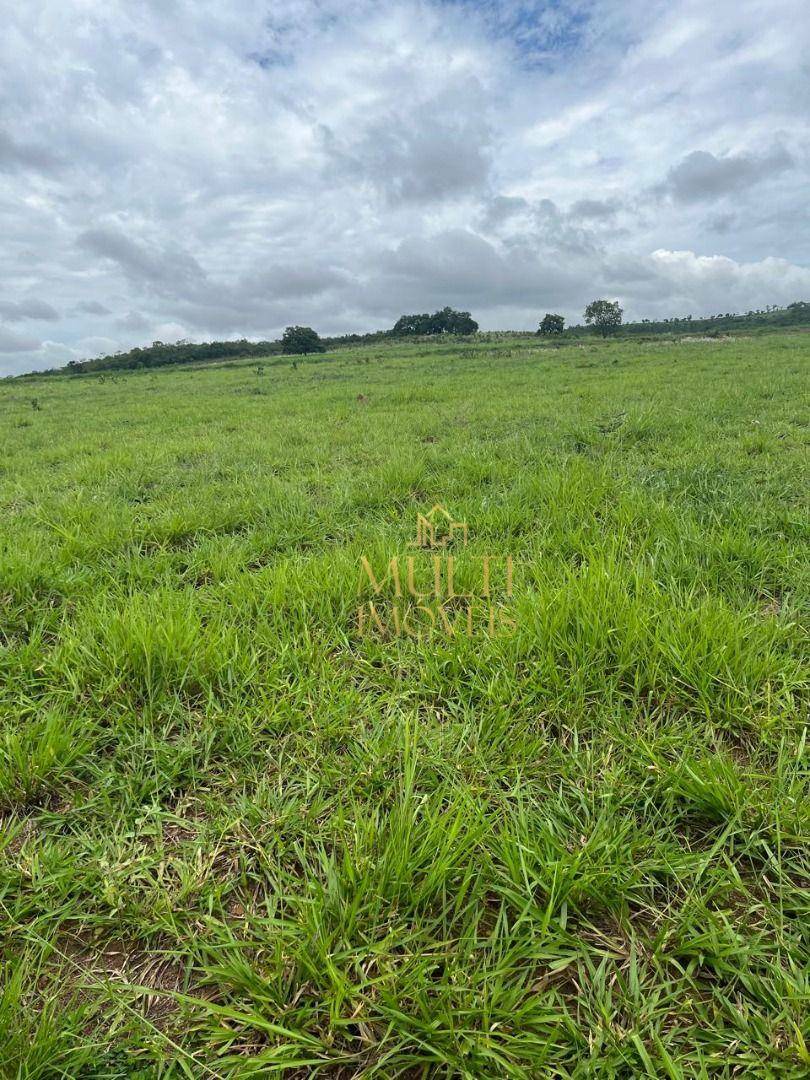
{"x": 582, "y": 838}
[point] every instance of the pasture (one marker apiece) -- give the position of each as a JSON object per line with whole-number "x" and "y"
{"x": 239, "y": 837}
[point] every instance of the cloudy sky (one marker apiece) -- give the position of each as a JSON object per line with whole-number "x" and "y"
{"x": 201, "y": 169}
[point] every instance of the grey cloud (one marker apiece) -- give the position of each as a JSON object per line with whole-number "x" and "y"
{"x": 169, "y": 269}
{"x": 265, "y": 298}
{"x": 595, "y": 209}
{"x": 14, "y": 343}
{"x": 290, "y": 281}
{"x": 540, "y": 224}
{"x": 421, "y": 151}
{"x": 134, "y": 322}
{"x": 501, "y": 208}
{"x": 559, "y": 233}
{"x": 425, "y": 165}
{"x": 31, "y": 308}
{"x": 462, "y": 268}
{"x": 721, "y": 223}
{"x": 92, "y": 307}
{"x": 701, "y": 175}
{"x": 20, "y": 154}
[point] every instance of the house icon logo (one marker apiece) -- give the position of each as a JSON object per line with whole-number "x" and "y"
{"x": 438, "y": 589}
{"x": 437, "y": 529}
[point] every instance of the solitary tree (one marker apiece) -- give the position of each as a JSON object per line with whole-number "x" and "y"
{"x": 605, "y": 315}
{"x": 301, "y": 339}
{"x": 552, "y": 324}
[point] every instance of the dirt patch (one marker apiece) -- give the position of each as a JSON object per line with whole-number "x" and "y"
{"x": 691, "y": 339}
{"x": 119, "y": 961}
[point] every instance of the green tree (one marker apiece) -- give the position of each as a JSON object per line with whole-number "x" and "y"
{"x": 446, "y": 321}
{"x": 551, "y": 324}
{"x": 605, "y": 315}
{"x": 411, "y": 324}
{"x": 449, "y": 321}
{"x": 301, "y": 339}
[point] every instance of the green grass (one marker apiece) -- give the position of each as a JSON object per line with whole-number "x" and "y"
{"x": 238, "y": 839}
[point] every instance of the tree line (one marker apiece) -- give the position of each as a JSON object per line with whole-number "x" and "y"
{"x": 294, "y": 341}
{"x": 604, "y": 317}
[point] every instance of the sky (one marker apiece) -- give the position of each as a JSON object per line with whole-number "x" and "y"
{"x": 206, "y": 170}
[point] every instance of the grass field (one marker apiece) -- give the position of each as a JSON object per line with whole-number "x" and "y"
{"x": 239, "y": 837}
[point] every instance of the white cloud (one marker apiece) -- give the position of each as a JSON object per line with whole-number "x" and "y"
{"x": 712, "y": 283}
{"x": 200, "y": 169}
